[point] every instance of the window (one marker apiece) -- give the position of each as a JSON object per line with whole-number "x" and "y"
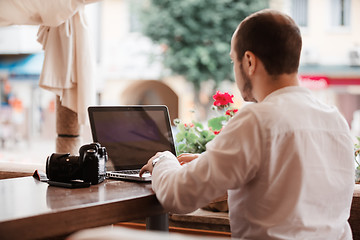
{"x": 340, "y": 13}
{"x": 135, "y": 8}
{"x": 299, "y": 12}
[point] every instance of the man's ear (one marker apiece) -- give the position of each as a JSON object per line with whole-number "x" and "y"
{"x": 250, "y": 62}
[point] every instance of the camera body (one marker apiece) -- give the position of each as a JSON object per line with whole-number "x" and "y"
{"x": 89, "y": 166}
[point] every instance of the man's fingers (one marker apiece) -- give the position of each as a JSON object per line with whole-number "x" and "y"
{"x": 145, "y": 168}
{"x": 149, "y": 167}
{"x": 142, "y": 171}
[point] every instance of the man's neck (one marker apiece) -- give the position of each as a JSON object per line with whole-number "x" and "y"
{"x": 273, "y": 83}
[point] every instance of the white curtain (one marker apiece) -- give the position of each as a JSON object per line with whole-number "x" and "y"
{"x": 69, "y": 65}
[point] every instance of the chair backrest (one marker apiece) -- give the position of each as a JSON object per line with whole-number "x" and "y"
{"x": 354, "y": 219}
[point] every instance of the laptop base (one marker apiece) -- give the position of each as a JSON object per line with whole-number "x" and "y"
{"x": 129, "y": 177}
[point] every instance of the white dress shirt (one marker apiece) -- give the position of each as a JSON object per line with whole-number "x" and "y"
{"x": 287, "y": 163}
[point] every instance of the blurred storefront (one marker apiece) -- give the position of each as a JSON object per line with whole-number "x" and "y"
{"x": 338, "y": 84}
{"x": 330, "y": 58}
{"x": 330, "y": 63}
{"x": 25, "y": 110}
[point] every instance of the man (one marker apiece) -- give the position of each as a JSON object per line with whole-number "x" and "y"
{"x": 286, "y": 161}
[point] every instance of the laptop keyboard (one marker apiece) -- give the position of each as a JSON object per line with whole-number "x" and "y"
{"x": 136, "y": 171}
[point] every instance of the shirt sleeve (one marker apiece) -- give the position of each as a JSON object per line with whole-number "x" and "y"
{"x": 231, "y": 160}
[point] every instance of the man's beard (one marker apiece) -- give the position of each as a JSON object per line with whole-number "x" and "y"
{"x": 248, "y": 87}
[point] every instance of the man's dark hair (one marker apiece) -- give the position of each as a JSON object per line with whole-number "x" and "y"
{"x": 274, "y": 38}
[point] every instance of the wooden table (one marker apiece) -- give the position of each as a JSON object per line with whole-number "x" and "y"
{"x": 32, "y": 209}
{"x": 355, "y": 213}
{"x": 202, "y": 220}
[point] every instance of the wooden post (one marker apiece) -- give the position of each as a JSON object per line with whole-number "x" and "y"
{"x": 68, "y": 130}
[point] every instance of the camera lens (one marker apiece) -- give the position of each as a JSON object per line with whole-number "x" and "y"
{"x": 63, "y": 167}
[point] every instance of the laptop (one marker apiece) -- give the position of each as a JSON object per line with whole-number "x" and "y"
{"x": 131, "y": 136}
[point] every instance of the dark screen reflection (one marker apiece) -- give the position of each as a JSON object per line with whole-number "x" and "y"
{"x": 131, "y": 137}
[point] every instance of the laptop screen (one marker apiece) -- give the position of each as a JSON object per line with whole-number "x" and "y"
{"x": 131, "y": 134}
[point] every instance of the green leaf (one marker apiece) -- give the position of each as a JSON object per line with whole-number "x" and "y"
{"x": 210, "y": 137}
{"x": 199, "y": 125}
{"x": 181, "y": 148}
{"x": 180, "y": 136}
{"x": 190, "y": 137}
{"x": 217, "y": 123}
{"x": 180, "y": 127}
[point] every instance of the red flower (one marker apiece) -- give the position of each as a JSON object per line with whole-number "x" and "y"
{"x": 222, "y": 99}
{"x": 231, "y": 112}
{"x": 217, "y": 132}
{"x": 188, "y": 125}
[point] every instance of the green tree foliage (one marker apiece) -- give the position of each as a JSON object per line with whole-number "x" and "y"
{"x": 197, "y": 34}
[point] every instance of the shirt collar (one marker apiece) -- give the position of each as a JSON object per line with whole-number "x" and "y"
{"x": 291, "y": 89}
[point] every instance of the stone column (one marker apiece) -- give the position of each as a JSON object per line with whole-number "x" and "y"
{"x": 68, "y": 130}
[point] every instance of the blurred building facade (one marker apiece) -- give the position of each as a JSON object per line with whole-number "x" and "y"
{"x": 329, "y": 66}
{"x": 130, "y": 69}
{"x": 330, "y": 60}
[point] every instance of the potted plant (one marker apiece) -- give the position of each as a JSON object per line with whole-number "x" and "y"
{"x": 192, "y": 137}
{"x": 357, "y": 160}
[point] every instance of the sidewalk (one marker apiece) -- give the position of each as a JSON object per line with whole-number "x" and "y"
{"x": 26, "y": 155}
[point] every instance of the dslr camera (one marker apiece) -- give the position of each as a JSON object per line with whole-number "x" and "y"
{"x": 89, "y": 166}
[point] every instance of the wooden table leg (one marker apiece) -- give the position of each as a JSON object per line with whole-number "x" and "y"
{"x": 158, "y": 222}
